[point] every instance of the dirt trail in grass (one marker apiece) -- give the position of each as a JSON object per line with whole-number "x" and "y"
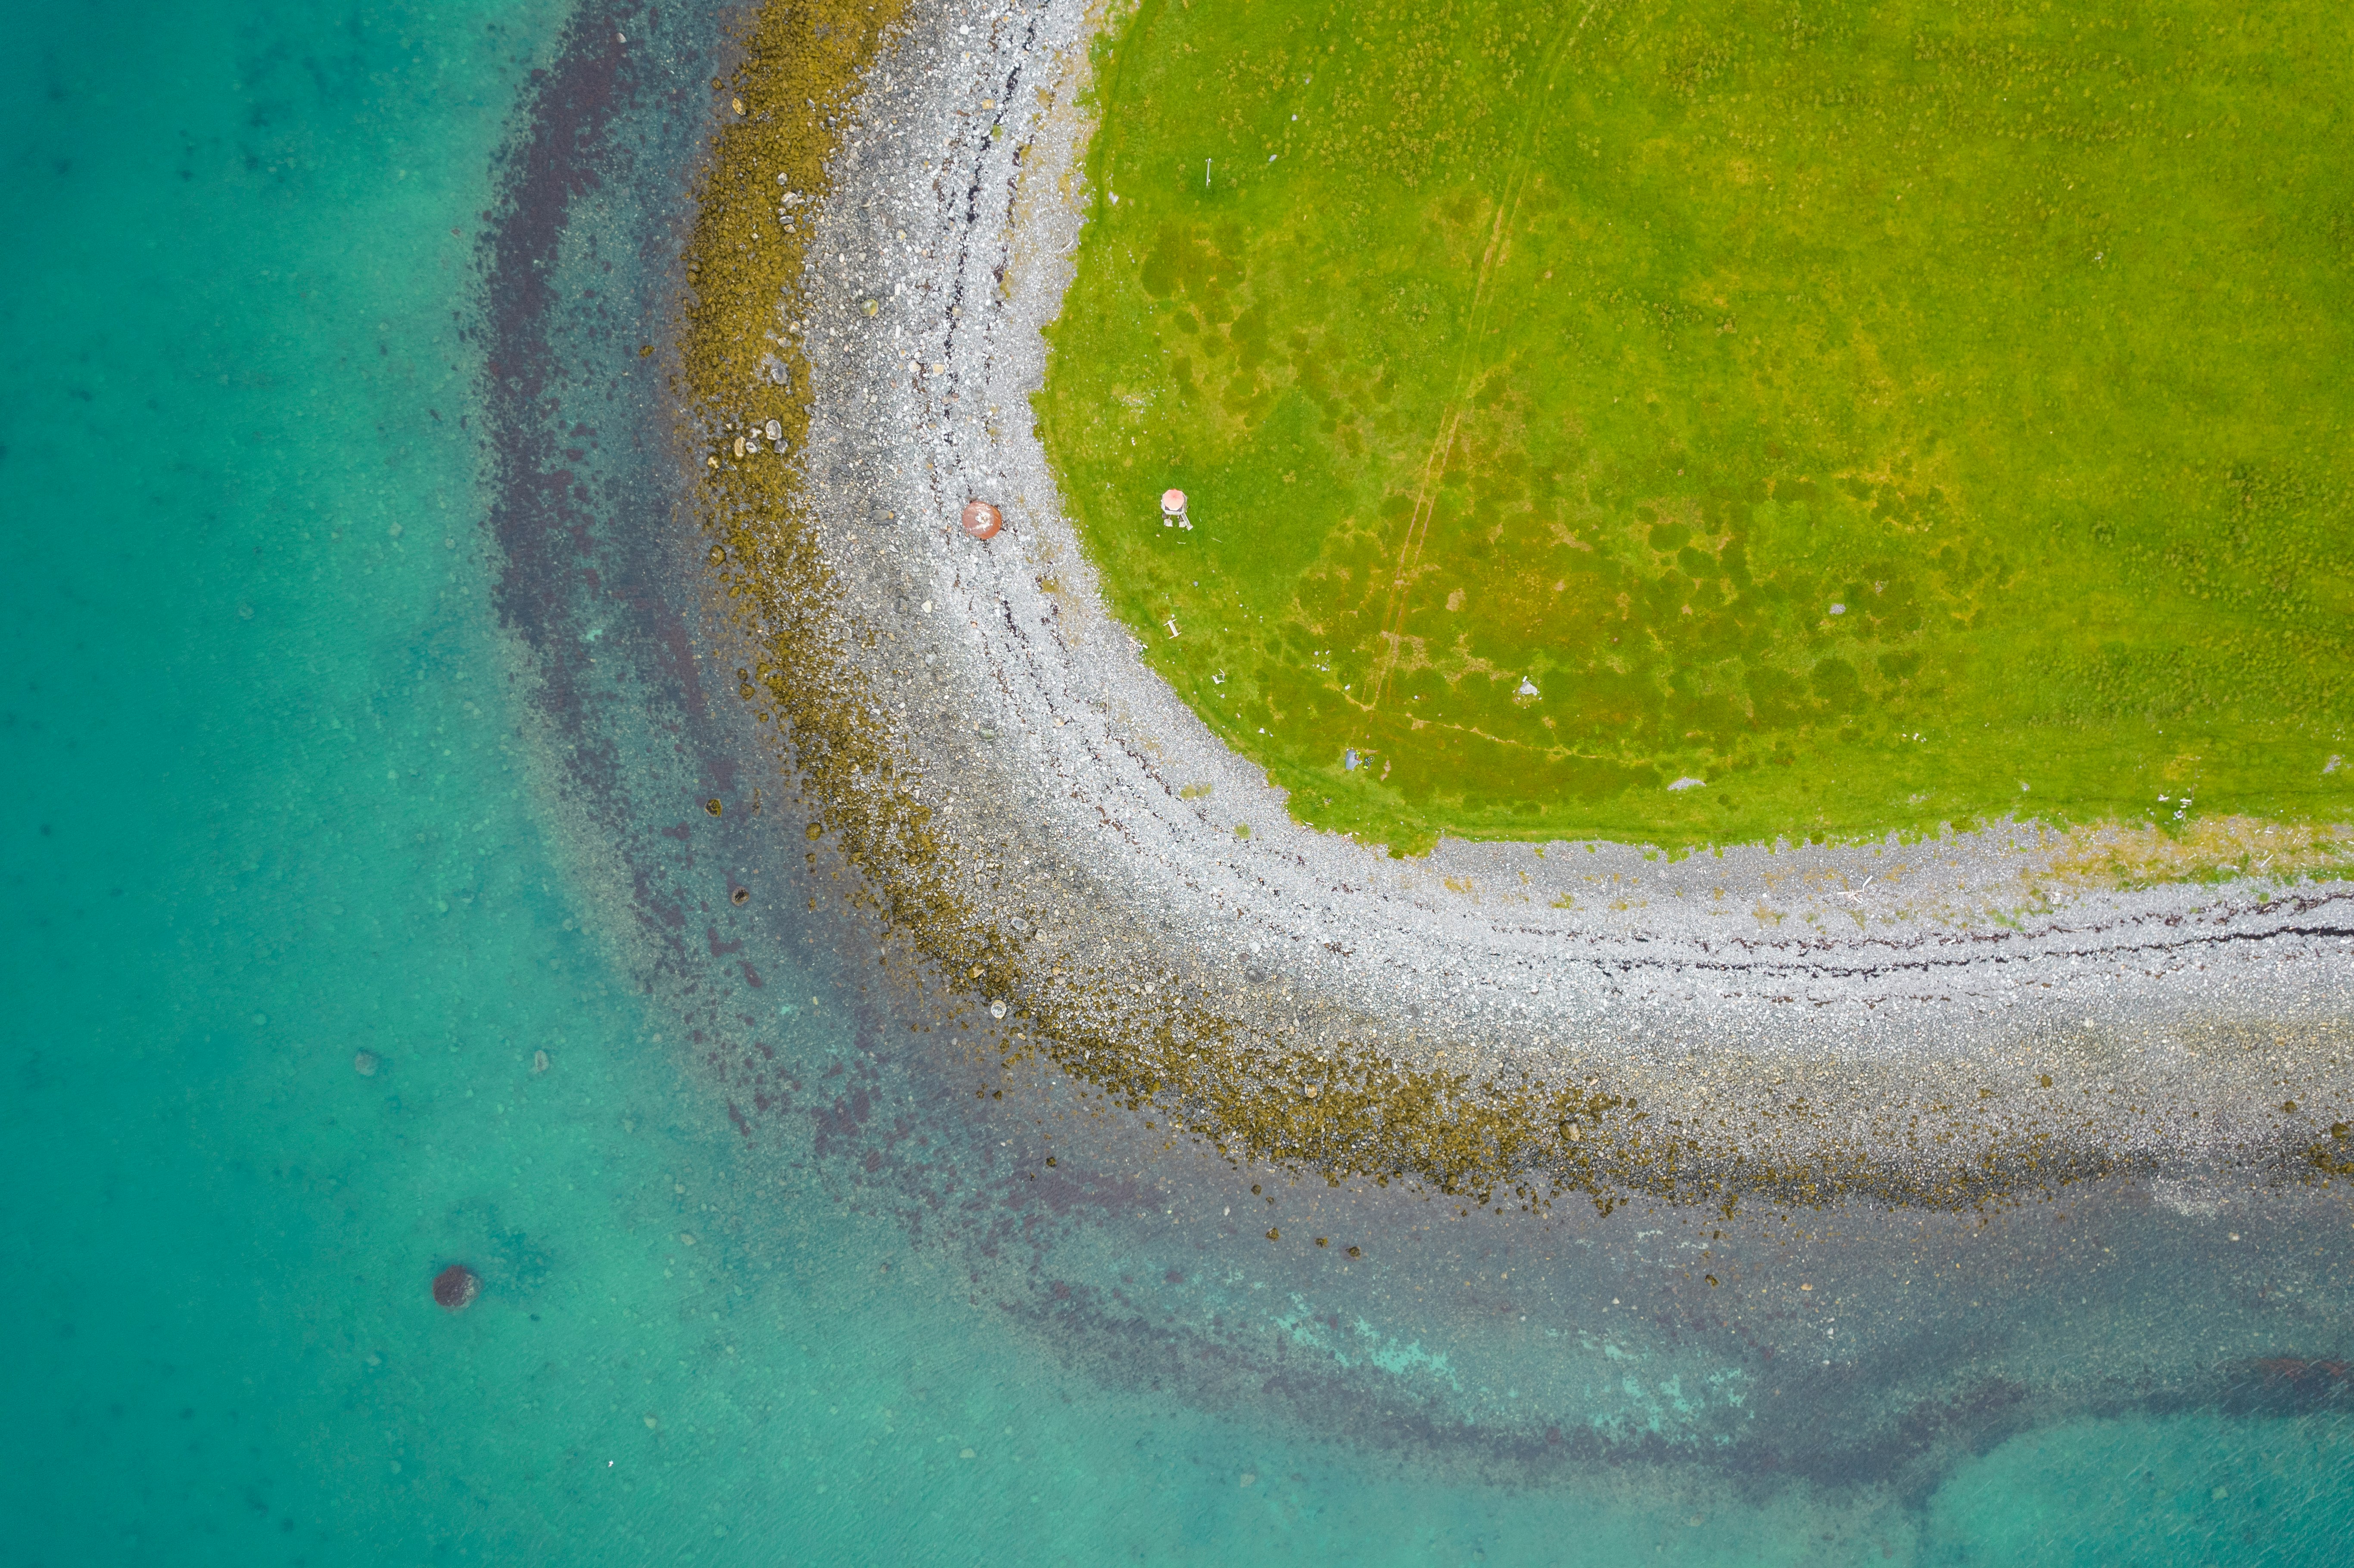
{"x": 1433, "y": 467}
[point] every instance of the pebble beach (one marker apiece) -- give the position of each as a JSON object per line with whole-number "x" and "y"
{"x": 1905, "y": 1017}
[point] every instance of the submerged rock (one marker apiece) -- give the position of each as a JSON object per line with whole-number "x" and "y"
{"x": 455, "y": 1287}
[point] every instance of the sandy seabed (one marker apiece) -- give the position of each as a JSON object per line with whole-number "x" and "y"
{"x": 1928, "y": 1019}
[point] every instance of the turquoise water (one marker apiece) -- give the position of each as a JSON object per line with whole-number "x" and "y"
{"x": 277, "y": 796}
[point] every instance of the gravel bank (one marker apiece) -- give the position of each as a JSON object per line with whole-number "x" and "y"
{"x": 1919, "y": 1020}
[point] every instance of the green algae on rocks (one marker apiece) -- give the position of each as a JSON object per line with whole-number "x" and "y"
{"x": 1886, "y": 417}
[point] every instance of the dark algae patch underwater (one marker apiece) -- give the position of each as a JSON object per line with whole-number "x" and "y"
{"x": 1883, "y": 415}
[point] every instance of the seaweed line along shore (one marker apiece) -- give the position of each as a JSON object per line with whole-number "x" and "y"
{"x": 888, "y": 223}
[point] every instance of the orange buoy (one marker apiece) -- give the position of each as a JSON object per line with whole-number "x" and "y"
{"x": 982, "y": 520}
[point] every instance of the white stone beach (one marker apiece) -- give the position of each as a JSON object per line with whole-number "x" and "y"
{"x": 1924, "y": 1005}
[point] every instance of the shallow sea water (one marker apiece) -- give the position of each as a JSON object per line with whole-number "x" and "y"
{"x": 272, "y": 802}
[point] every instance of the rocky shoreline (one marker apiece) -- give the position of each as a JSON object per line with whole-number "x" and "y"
{"x": 1929, "y": 1022}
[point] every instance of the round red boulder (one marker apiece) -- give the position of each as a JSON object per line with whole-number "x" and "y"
{"x": 455, "y": 1287}
{"x": 982, "y": 520}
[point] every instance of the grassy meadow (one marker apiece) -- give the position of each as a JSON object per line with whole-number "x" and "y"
{"x": 1883, "y": 415}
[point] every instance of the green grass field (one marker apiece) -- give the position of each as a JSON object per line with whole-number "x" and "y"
{"x": 1887, "y": 415}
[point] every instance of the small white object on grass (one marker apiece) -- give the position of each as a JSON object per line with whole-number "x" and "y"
{"x": 1689, "y": 783}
